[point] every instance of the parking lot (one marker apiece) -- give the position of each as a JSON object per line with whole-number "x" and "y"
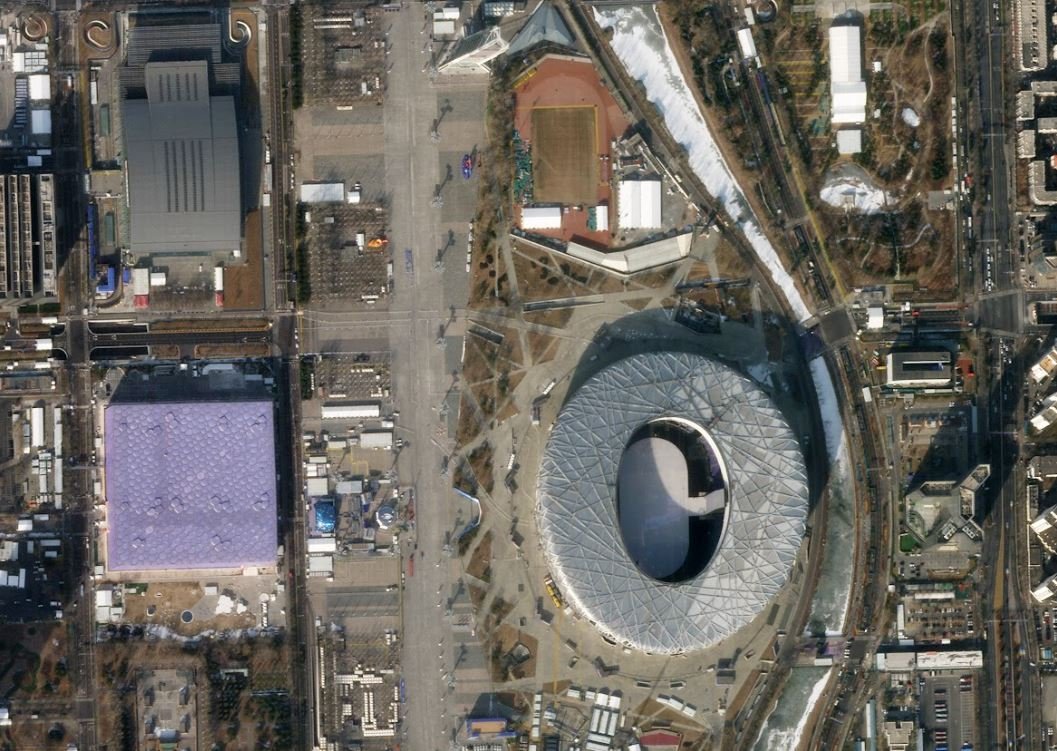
{"x": 364, "y": 375}
{"x": 947, "y": 708}
{"x": 343, "y": 269}
{"x": 344, "y": 53}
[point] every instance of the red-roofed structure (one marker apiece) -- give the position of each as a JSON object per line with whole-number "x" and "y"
{"x": 656, "y": 740}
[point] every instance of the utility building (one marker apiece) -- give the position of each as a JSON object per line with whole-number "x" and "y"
{"x": 917, "y": 369}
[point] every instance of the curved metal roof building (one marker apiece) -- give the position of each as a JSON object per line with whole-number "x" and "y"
{"x": 577, "y": 504}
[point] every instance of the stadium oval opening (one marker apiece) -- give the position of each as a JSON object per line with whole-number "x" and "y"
{"x": 672, "y": 498}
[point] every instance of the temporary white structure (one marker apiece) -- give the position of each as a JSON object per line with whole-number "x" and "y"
{"x": 639, "y": 204}
{"x": 541, "y": 217}
{"x": 847, "y": 88}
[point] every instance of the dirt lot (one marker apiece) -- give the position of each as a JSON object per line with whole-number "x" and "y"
{"x": 231, "y": 350}
{"x": 32, "y": 661}
{"x": 244, "y": 285}
{"x": 172, "y": 598}
{"x": 566, "y": 163}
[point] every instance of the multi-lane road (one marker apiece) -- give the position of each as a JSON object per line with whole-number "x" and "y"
{"x": 1013, "y": 719}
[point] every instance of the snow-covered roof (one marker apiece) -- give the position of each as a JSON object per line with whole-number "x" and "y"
{"x": 847, "y": 88}
{"x": 639, "y": 204}
{"x": 577, "y": 504}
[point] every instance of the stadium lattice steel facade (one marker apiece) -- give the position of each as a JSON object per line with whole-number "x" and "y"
{"x": 577, "y": 510}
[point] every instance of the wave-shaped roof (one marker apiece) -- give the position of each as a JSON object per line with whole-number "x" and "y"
{"x": 577, "y": 510}
{"x": 190, "y": 485}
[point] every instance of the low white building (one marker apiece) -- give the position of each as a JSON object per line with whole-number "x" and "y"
{"x": 351, "y": 411}
{"x": 746, "y": 44}
{"x": 849, "y": 141}
{"x": 847, "y": 87}
{"x": 322, "y": 192}
{"x": 541, "y": 217}
{"x": 639, "y": 204}
{"x": 40, "y": 87}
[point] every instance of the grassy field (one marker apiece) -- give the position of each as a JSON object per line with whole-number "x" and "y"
{"x": 566, "y": 168}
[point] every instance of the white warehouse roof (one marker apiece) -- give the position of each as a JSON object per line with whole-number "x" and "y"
{"x": 40, "y": 87}
{"x": 541, "y": 217}
{"x": 746, "y": 43}
{"x": 849, "y": 141}
{"x": 323, "y": 192}
{"x": 640, "y": 204}
{"x": 847, "y": 88}
{"x": 40, "y": 122}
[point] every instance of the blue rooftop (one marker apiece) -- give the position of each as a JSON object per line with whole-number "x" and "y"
{"x": 190, "y": 485}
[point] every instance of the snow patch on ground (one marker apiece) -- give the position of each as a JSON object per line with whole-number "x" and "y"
{"x": 849, "y": 192}
{"x": 910, "y": 117}
{"x": 760, "y": 372}
{"x": 830, "y": 603}
{"x": 639, "y": 42}
{"x": 773, "y": 736}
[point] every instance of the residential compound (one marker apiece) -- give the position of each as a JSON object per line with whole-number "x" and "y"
{"x": 1031, "y": 38}
{"x": 27, "y": 235}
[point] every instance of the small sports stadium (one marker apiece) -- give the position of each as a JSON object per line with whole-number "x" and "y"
{"x": 566, "y": 120}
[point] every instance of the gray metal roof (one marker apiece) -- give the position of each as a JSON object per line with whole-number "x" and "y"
{"x": 181, "y": 145}
{"x": 544, "y": 25}
{"x": 577, "y": 510}
{"x": 150, "y": 43}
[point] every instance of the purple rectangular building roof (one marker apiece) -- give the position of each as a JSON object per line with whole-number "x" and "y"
{"x": 190, "y": 485}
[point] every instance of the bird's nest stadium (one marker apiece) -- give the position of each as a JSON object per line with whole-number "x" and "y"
{"x": 671, "y": 501}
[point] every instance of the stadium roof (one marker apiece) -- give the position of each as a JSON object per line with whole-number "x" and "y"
{"x": 190, "y": 485}
{"x": 183, "y": 168}
{"x": 577, "y": 514}
{"x": 845, "y": 69}
{"x": 544, "y": 25}
{"x": 639, "y": 204}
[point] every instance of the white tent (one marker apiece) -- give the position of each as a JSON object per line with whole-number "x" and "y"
{"x": 847, "y": 88}
{"x": 640, "y": 204}
{"x": 322, "y": 192}
{"x": 541, "y": 217}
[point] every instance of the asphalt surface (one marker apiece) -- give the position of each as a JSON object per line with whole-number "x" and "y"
{"x": 1012, "y": 698}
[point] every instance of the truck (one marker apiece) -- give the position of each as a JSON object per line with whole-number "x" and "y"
{"x": 553, "y": 591}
